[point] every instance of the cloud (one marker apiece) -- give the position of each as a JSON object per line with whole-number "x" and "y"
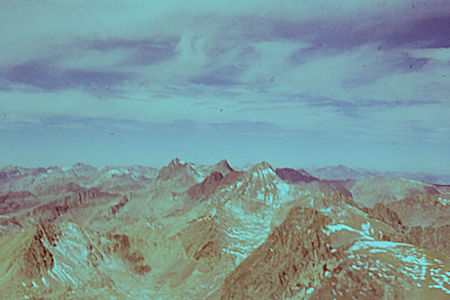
{"x": 225, "y": 76}
{"x": 439, "y": 54}
{"x": 42, "y": 74}
{"x": 425, "y": 32}
{"x": 116, "y": 53}
{"x": 261, "y": 109}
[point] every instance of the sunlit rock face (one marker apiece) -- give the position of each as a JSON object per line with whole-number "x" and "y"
{"x": 194, "y": 231}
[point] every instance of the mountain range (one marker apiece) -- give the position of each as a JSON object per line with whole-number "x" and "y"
{"x": 342, "y": 172}
{"x": 192, "y": 231}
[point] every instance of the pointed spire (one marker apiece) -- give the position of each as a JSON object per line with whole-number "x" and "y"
{"x": 223, "y": 166}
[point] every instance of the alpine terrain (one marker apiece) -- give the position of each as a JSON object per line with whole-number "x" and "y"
{"x": 191, "y": 231}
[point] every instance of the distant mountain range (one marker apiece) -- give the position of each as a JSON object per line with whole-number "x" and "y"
{"x": 342, "y": 172}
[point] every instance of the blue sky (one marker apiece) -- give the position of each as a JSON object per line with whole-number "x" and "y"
{"x": 296, "y": 83}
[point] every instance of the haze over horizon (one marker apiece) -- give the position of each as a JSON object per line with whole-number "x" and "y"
{"x": 296, "y": 84}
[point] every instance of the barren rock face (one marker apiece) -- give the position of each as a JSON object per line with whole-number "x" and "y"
{"x": 386, "y": 215}
{"x": 36, "y": 257}
{"x": 294, "y": 176}
{"x": 210, "y": 232}
{"x": 423, "y": 209}
{"x": 431, "y": 238}
{"x": 204, "y": 189}
{"x": 13, "y": 201}
{"x": 292, "y": 260}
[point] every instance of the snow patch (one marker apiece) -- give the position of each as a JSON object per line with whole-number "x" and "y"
{"x": 44, "y": 281}
{"x": 436, "y": 286}
{"x": 326, "y": 210}
{"x": 283, "y": 191}
{"x": 440, "y": 280}
{"x": 365, "y": 244}
{"x": 378, "y": 250}
{"x": 366, "y": 227}
{"x": 413, "y": 257}
{"x": 338, "y": 227}
{"x": 251, "y": 231}
{"x": 119, "y": 172}
{"x": 444, "y": 201}
{"x": 268, "y": 172}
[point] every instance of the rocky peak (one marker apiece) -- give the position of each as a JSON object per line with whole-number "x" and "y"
{"x": 264, "y": 165}
{"x": 82, "y": 170}
{"x": 185, "y": 174}
{"x": 262, "y": 171}
{"x": 175, "y": 166}
{"x": 176, "y": 162}
{"x": 223, "y": 167}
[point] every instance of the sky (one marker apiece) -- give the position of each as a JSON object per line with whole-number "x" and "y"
{"x": 297, "y": 83}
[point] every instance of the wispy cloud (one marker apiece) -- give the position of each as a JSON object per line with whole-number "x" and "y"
{"x": 45, "y": 76}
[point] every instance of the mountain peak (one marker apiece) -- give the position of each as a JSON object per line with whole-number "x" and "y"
{"x": 264, "y": 165}
{"x": 81, "y": 167}
{"x": 224, "y": 163}
{"x": 176, "y": 162}
{"x": 263, "y": 171}
{"x": 177, "y": 168}
{"x": 222, "y": 167}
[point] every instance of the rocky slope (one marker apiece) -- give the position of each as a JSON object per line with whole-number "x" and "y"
{"x": 369, "y": 191}
{"x": 67, "y": 261}
{"x": 294, "y": 176}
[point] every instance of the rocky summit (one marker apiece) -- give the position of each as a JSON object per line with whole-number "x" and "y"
{"x": 192, "y": 231}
